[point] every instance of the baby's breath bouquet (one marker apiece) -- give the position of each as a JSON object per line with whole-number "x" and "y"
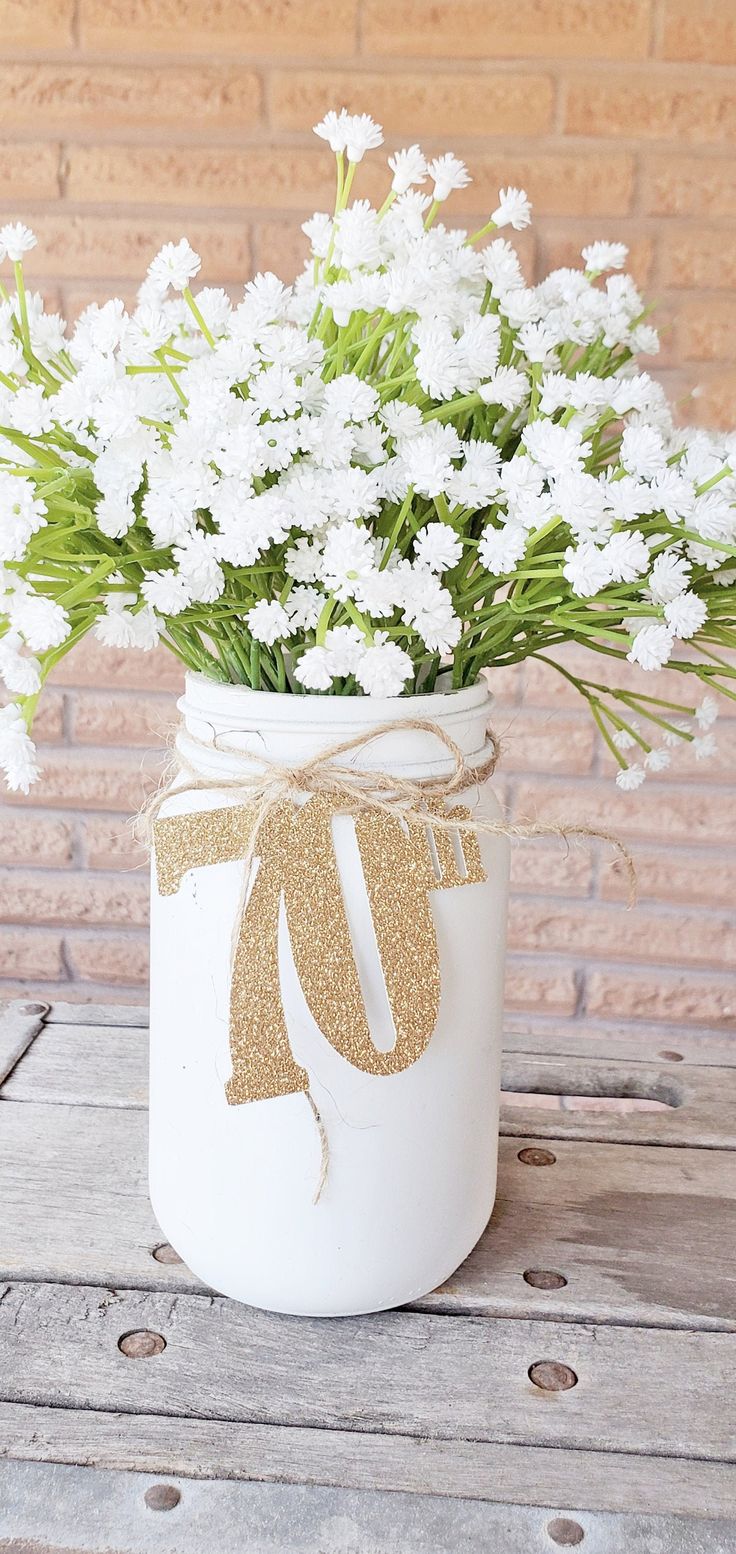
{"x": 408, "y": 465}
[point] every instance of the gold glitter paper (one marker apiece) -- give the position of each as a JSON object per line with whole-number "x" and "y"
{"x": 296, "y": 856}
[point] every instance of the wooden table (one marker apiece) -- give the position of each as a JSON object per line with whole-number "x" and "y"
{"x": 574, "y": 1383}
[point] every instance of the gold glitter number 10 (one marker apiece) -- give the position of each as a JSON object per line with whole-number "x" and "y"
{"x": 297, "y": 859}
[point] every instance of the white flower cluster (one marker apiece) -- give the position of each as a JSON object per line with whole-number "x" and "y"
{"x": 409, "y": 457}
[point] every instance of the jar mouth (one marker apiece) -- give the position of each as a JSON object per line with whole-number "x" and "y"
{"x": 205, "y": 695}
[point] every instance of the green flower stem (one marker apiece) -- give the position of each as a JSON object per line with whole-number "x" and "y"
{"x": 22, "y": 305}
{"x": 197, "y": 316}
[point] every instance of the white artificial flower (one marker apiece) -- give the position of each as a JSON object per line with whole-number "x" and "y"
{"x": 642, "y": 451}
{"x": 513, "y": 209}
{"x": 705, "y": 747}
{"x": 166, "y": 592}
{"x": 657, "y": 760}
{"x": 668, "y": 577}
{"x": 500, "y": 549}
{"x": 21, "y": 516}
{"x": 20, "y": 673}
{"x": 384, "y": 668}
{"x": 314, "y": 670}
{"x": 401, "y": 420}
{"x": 319, "y": 231}
{"x": 304, "y": 607}
{"x": 121, "y": 627}
{"x": 506, "y": 387}
{"x": 17, "y": 750}
{"x": 303, "y": 561}
{"x": 345, "y": 646}
{"x": 361, "y": 134}
{"x": 42, "y": 622}
{"x": 16, "y": 241}
{"x": 196, "y": 558}
{"x": 587, "y": 569}
{"x": 438, "y": 547}
{"x": 115, "y": 516}
{"x": 623, "y": 740}
{"x": 501, "y": 267}
{"x": 627, "y": 555}
{"x": 605, "y": 256}
{"x": 268, "y": 621}
{"x": 408, "y": 167}
{"x": 348, "y": 554}
{"x": 349, "y": 398}
{"x": 175, "y": 265}
{"x": 448, "y": 173}
{"x": 557, "y": 449}
{"x": 707, "y": 713}
{"x": 31, "y": 412}
{"x": 333, "y": 129}
{"x": 630, "y": 777}
{"x": 686, "y": 614}
{"x": 652, "y": 646}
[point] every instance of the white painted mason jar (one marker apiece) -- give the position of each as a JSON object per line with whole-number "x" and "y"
{"x": 412, "y": 1155}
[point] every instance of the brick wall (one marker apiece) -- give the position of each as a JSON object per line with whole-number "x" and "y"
{"x": 126, "y": 122}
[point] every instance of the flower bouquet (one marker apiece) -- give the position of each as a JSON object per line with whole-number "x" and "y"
{"x": 339, "y": 503}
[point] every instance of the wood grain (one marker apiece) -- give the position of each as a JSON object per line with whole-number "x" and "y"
{"x": 97, "y": 1064}
{"x": 610, "y": 1219}
{"x": 482, "y": 1470}
{"x": 80, "y": 1505}
{"x": 402, "y": 1372}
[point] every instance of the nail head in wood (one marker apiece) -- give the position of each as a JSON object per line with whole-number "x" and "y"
{"x": 142, "y": 1344}
{"x": 565, "y": 1532}
{"x": 545, "y": 1279}
{"x": 670, "y": 1057}
{"x": 34, "y": 1009}
{"x": 537, "y": 1157}
{"x": 162, "y": 1497}
{"x": 552, "y": 1376}
{"x": 166, "y": 1253}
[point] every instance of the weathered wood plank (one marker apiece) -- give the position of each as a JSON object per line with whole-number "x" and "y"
{"x": 20, "y": 1023}
{"x": 481, "y": 1470}
{"x": 87, "y": 1065}
{"x": 99, "y": 1065}
{"x": 65, "y": 1505}
{"x": 613, "y": 1221}
{"x": 62, "y": 1013}
{"x": 406, "y": 1373}
{"x": 571, "y": 1039}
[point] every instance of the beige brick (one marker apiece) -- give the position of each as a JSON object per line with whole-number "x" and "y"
{"x": 36, "y": 24}
{"x": 456, "y": 103}
{"x": 321, "y": 28}
{"x": 706, "y": 329}
{"x": 105, "y": 719}
{"x": 611, "y": 933}
{"x": 472, "y": 29}
{"x": 91, "y": 664}
{"x": 545, "y": 741}
{"x": 195, "y": 175}
{"x": 289, "y": 179}
{"x": 31, "y": 953}
{"x": 279, "y": 246}
{"x": 674, "y": 874}
{"x": 650, "y": 107}
{"x": 653, "y": 813}
{"x": 29, "y": 170}
{"x": 541, "y": 868}
{"x": 109, "y": 844}
{"x": 714, "y": 400}
{"x": 38, "y": 896}
{"x": 687, "y": 998}
{"x": 100, "y": 247}
{"x": 109, "y": 958}
{"x": 679, "y": 185}
{"x": 78, "y": 779}
{"x": 33, "y": 839}
{"x": 697, "y": 258}
{"x": 61, "y": 98}
{"x": 539, "y": 988}
{"x": 48, "y": 723}
{"x": 706, "y": 31}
